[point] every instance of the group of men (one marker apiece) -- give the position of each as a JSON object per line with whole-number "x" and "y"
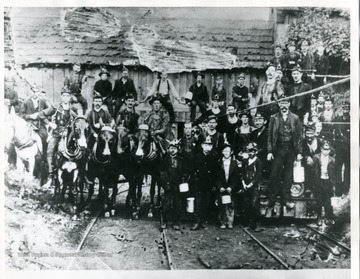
{"x": 227, "y": 150}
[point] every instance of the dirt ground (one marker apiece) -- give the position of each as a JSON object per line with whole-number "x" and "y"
{"x": 39, "y": 238}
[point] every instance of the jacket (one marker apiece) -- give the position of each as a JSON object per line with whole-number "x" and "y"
{"x": 28, "y": 108}
{"x": 234, "y": 178}
{"x": 273, "y": 132}
{"x": 317, "y": 169}
{"x": 199, "y": 93}
{"x": 121, "y": 89}
{"x": 177, "y": 175}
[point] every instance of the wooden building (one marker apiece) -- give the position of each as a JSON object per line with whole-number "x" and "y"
{"x": 226, "y": 41}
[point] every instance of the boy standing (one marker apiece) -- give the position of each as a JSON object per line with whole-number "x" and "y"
{"x": 227, "y": 180}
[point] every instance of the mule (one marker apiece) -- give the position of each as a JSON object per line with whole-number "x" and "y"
{"x": 148, "y": 161}
{"x": 71, "y": 159}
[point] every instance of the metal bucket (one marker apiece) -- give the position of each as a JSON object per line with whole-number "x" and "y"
{"x": 190, "y": 205}
{"x": 184, "y": 187}
{"x": 226, "y": 199}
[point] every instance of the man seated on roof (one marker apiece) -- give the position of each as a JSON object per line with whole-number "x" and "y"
{"x": 74, "y": 82}
{"x": 200, "y": 96}
{"x": 162, "y": 87}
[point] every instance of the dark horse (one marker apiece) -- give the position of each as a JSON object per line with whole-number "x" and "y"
{"x": 148, "y": 162}
{"x": 70, "y": 162}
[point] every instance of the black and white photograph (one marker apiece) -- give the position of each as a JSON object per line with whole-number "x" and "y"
{"x": 180, "y": 138}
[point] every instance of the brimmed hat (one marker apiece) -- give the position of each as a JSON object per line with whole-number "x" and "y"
{"x": 207, "y": 140}
{"x": 211, "y": 117}
{"x": 296, "y": 68}
{"x": 345, "y": 104}
{"x": 144, "y": 127}
{"x": 153, "y": 99}
{"x": 104, "y": 71}
{"x": 290, "y": 43}
{"x": 107, "y": 128}
{"x": 226, "y": 144}
{"x": 242, "y": 75}
{"x": 252, "y": 146}
{"x": 244, "y": 113}
{"x": 129, "y": 96}
{"x": 174, "y": 143}
{"x": 310, "y": 128}
{"x": 200, "y": 74}
{"x": 326, "y": 145}
{"x": 97, "y": 95}
{"x": 269, "y": 64}
{"x": 65, "y": 89}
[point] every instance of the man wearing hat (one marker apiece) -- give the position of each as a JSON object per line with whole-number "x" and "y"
{"x": 200, "y": 96}
{"x": 203, "y": 177}
{"x": 61, "y": 117}
{"x": 123, "y": 86}
{"x": 342, "y": 148}
{"x": 240, "y": 93}
{"x": 307, "y": 62}
{"x": 103, "y": 87}
{"x": 174, "y": 171}
{"x": 270, "y": 91}
{"x": 74, "y": 82}
{"x": 158, "y": 122}
{"x": 98, "y": 118}
{"x": 128, "y": 117}
{"x": 227, "y": 180}
{"x": 251, "y": 176}
{"x": 219, "y": 91}
{"x": 299, "y": 105}
{"x": 284, "y": 144}
{"x": 162, "y": 88}
{"x": 324, "y": 182}
{"x": 31, "y": 111}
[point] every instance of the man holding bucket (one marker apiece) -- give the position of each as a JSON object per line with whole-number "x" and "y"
{"x": 227, "y": 179}
{"x": 173, "y": 175}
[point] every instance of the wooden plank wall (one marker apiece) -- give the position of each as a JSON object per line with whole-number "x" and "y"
{"x": 52, "y": 80}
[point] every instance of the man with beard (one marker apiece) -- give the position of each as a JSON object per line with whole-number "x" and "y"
{"x": 259, "y": 136}
{"x": 240, "y": 94}
{"x": 98, "y": 118}
{"x": 200, "y": 96}
{"x": 104, "y": 88}
{"x": 342, "y": 148}
{"x": 229, "y": 123}
{"x": 75, "y": 82}
{"x": 269, "y": 92}
{"x": 283, "y": 146}
{"x": 123, "y": 86}
{"x": 299, "y": 105}
{"x": 203, "y": 178}
{"x": 128, "y": 117}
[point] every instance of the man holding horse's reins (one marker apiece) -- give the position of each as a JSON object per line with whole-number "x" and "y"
{"x": 62, "y": 116}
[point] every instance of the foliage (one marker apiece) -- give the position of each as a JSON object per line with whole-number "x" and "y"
{"x": 329, "y": 25}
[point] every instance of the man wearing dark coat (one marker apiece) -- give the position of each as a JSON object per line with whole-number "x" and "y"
{"x": 123, "y": 86}
{"x": 200, "y": 96}
{"x": 203, "y": 178}
{"x": 283, "y": 146}
{"x": 240, "y": 93}
{"x": 174, "y": 171}
{"x": 104, "y": 88}
{"x": 128, "y": 117}
{"x": 322, "y": 66}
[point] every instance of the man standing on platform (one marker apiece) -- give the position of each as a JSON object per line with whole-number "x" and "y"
{"x": 240, "y": 94}
{"x": 284, "y": 146}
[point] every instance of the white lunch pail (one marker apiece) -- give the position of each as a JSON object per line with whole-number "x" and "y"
{"x": 335, "y": 201}
{"x": 188, "y": 96}
{"x": 190, "y": 205}
{"x": 184, "y": 187}
{"x": 299, "y": 173}
{"x": 226, "y": 199}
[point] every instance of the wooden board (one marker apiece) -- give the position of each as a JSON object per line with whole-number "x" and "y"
{"x": 48, "y": 82}
{"x": 59, "y": 78}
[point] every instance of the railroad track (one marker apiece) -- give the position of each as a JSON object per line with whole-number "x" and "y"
{"x": 283, "y": 262}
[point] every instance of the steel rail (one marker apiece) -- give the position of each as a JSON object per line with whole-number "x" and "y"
{"x": 263, "y": 246}
{"x": 333, "y": 240}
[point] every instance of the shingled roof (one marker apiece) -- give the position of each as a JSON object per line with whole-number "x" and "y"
{"x": 102, "y": 35}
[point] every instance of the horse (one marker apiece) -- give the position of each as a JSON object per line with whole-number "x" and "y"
{"x": 148, "y": 158}
{"x": 27, "y": 143}
{"x": 71, "y": 159}
{"x": 99, "y": 166}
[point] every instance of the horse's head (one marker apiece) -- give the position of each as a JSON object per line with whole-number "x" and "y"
{"x": 81, "y": 129}
{"x": 144, "y": 137}
{"x": 106, "y": 141}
